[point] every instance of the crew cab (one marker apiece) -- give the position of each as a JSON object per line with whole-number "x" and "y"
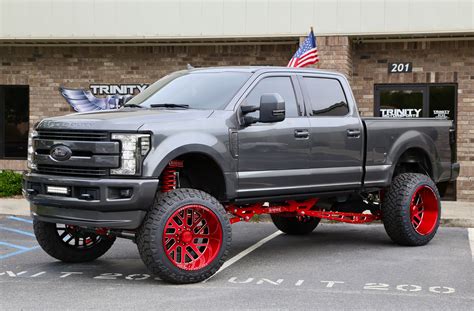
{"x": 203, "y": 148}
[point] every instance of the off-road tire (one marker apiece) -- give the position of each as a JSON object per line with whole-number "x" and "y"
{"x": 150, "y": 235}
{"x": 294, "y": 226}
{"x": 396, "y": 209}
{"x": 50, "y": 241}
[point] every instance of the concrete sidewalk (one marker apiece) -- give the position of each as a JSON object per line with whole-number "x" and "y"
{"x": 454, "y": 214}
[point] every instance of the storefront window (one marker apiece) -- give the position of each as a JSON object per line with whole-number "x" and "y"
{"x": 14, "y": 121}
{"x": 442, "y": 101}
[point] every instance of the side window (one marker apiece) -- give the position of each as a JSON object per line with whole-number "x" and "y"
{"x": 280, "y": 85}
{"x": 326, "y": 96}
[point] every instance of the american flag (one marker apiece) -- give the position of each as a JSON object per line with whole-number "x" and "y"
{"x": 307, "y": 54}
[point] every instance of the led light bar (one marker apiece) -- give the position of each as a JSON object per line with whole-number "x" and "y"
{"x": 57, "y": 190}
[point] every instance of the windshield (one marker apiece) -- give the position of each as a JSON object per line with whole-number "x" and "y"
{"x": 198, "y": 90}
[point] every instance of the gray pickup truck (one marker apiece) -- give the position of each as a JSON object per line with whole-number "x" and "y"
{"x": 203, "y": 148}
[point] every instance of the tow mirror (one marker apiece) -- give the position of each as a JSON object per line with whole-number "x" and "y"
{"x": 272, "y": 109}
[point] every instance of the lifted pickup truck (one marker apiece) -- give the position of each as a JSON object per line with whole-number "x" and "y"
{"x": 203, "y": 148}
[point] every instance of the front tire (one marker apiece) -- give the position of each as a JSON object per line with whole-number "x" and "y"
{"x": 185, "y": 237}
{"x": 295, "y": 225}
{"x": 411, "y": 209}
{"x": 70, "y": 243}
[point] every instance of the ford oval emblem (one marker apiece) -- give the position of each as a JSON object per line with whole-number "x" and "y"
{"x": 60, "y": 153}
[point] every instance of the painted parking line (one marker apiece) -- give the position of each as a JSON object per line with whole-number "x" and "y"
{"x": 17, "y": 231}
{"x": 20, "y": 249}
{"x": 245, "y": 252}
{"x": 29, "y": 221}
{"x": 470, "y": 232}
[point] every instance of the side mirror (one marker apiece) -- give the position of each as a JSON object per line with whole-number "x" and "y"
{"x": 272, "y": 109}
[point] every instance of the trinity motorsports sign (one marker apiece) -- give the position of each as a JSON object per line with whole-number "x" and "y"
{"x": 113, "y": 96}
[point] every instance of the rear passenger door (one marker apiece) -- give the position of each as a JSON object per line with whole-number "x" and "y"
{"x": 273, "y": 157}
{"x": 336, "y": 134}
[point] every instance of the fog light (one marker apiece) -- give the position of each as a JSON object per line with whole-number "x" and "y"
{"x": 126, "y": 193}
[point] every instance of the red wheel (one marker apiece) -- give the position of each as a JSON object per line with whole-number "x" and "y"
{"x": 185, "y": 237}
{"x": 424, "y": 210}
{"x": 411, "y": 209}
{"x": 192, "y": 237}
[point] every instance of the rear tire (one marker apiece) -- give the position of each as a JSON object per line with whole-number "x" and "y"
{"x": 295, "y": 226}
{"x": 185, "y": 237}
{"x": 411, "y": 209}
{"x": 70, "y": 243}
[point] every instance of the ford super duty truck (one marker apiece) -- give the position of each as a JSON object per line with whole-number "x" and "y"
{"x": 201, "y": 149}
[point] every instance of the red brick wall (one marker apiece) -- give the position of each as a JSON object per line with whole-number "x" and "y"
{"x": 433, "y": 62}
{"x": 335, "y": 53}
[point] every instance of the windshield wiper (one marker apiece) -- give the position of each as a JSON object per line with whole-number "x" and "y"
{"x": 133, "y": 105}
{"x": 168, "y": 105}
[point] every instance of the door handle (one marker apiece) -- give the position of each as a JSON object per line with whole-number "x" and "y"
{"x": 353, "y": 133}
{"x": 302, "y": 134}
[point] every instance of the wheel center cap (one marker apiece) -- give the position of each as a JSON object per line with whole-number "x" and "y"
{"x": 186, "y": 236}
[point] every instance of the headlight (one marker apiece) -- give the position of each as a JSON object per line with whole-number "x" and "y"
{"x": 31, "y": 150}
{"x": 134, "y": 148}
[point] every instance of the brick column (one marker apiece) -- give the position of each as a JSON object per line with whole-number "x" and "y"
{"x": 335, "y": 53}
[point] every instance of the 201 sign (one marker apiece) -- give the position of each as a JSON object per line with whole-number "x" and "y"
{"x": 399, "y": 67}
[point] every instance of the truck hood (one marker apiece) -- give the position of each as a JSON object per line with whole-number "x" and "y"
{"x": 130, "y": 119}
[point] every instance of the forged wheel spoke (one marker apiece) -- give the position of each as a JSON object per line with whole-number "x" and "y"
{"x": 200, "y": 230}
{"x": 172, "y": 248}
{"x": 196, "y": 250}
{"x": 188, "y": 217}
{"x": 173, "y": 224}
{"x": 202, "y": 236}
{"x": 197, "y": 221}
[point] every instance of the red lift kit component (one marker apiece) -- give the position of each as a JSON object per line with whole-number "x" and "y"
{"x": 295, "y": 208}
{"x": 169, "y": 176}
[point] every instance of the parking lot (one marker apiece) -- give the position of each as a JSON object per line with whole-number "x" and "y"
{"x": 336, "y": 267}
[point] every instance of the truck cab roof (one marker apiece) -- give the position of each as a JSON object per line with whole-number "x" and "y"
{"x": 262, "y": 69}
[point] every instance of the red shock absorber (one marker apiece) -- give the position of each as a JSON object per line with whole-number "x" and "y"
{"x": 169, "y": 180}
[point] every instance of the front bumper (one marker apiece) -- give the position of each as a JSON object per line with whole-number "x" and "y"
{"x": 93, "y": 202}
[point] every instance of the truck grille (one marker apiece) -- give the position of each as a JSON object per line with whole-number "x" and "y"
{"x": 93, "y": 154}
{"x": 70, "y": 171}
{"x": 73, "y": 135}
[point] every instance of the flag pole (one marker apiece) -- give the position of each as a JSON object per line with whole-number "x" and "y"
{"x": 314, "y": 37}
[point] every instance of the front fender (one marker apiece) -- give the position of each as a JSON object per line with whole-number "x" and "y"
{"x": 188, "y": 142}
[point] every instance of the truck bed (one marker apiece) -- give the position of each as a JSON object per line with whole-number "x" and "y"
{"x": 387, "y": 138}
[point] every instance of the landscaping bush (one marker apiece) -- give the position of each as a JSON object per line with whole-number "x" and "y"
{"x": 10, "y": 183}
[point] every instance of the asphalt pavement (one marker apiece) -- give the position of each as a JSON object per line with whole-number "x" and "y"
{"x": 338, "y": 266}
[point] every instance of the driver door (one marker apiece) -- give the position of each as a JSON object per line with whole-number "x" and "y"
{"x": 273, "y": 157}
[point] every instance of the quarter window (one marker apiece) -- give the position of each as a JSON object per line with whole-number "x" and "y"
{"x": 326, "y": 97}
{"x": 280, "y": 85}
